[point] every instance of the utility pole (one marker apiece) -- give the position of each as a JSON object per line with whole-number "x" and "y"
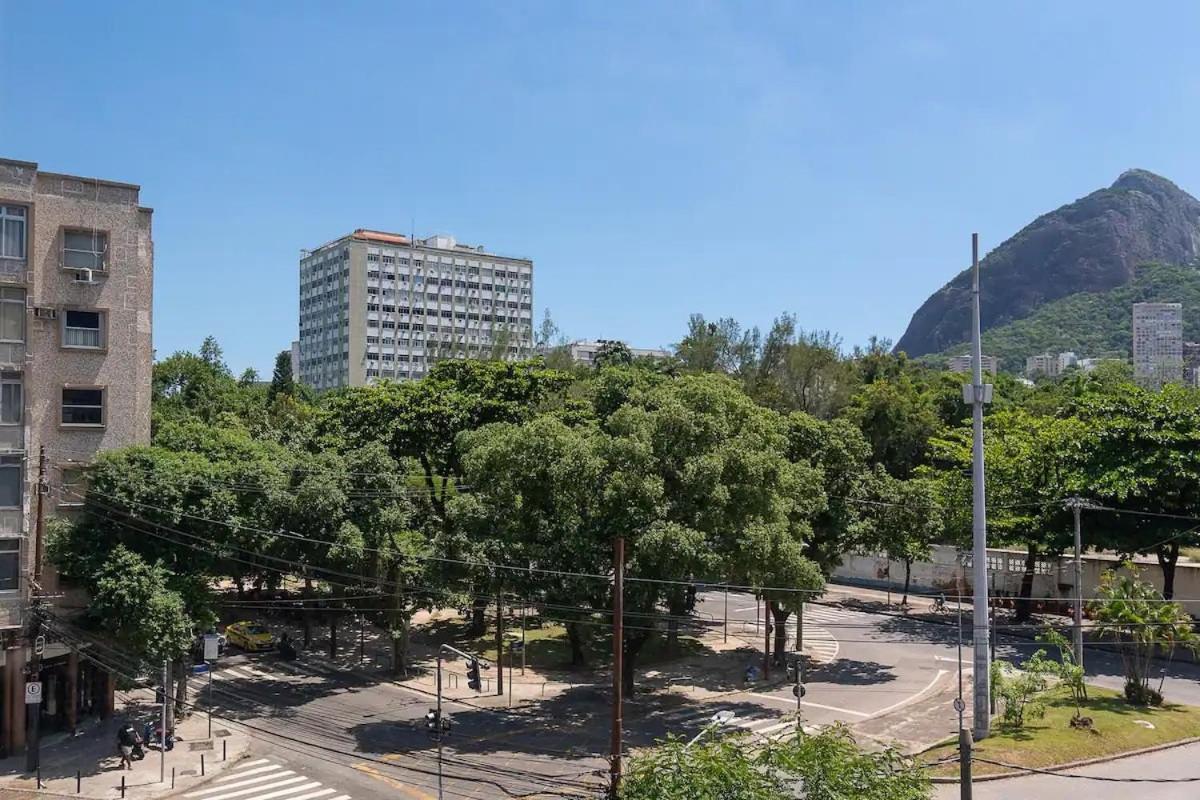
{"x": 977, "y": 393}
{"x": 618, "y": 637}
{"x": 162, "y": 722}
{"x": 1076, "y": 504}
{"x": 33, "y": 754}
{"x": 499, "y": 644}
{"x": 964, "y": 736}
{"x": 766, "y": 638}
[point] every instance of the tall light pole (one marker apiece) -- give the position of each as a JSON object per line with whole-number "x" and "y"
{"x": 1077, "y": 504}
{"x": 977, "y": 393}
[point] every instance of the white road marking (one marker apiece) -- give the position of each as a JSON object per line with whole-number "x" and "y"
{"x": 911, "y": 698}
{"x": 321, "y": 793}
{"x": 209, "y": 794}
{"x": 807, "y": 704}
{"x": 273, "y": 775}
{"x": 252, "y": 763}
{"x": 244, "y": 772}
{"x": 285, "y": 792}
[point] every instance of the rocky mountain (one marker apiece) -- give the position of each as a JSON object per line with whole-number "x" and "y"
{"x": 1092, "y": 245}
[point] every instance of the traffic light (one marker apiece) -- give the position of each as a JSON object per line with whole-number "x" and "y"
{"x": 473, "y": 680}
{"x": 791, "y": 671}
{"x": 431, "y": 721}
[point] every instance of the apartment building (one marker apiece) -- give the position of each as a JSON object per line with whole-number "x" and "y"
{"x": 963, "y": 364}
{"x": 1049, "y": 365}
{"x": 1191, "y": 364}
{"x": 1157, "y": 343}
{"x": 376, "y": 305}
{"x": 76, "y": 280}
{"x": 584, "y": 351}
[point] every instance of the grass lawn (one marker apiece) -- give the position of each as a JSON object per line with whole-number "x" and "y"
{"x": 546, "y": 645}
{"x": 1051, "y": 741}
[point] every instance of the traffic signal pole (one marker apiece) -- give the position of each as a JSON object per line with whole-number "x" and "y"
{"x": 439, "y": 726}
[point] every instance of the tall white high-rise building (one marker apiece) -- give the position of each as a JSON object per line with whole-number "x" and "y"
{"x": 379, "y": 305}
{"x": 1157, "y": 342}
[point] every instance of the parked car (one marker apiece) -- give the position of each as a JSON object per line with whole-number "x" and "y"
{"x": 249, "y": 636}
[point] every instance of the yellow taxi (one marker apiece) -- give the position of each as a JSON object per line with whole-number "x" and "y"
{"x": 249, "y": 636}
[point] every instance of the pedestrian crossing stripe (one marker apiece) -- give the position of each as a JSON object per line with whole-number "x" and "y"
{"x": 262, "y": 779}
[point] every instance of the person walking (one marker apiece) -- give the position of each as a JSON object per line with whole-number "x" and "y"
{"x": 127, "y": 739}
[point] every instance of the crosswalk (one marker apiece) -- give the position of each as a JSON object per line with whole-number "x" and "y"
{"x": 279, "y": 671}
{"x": 263, "y": 779}
{"x": 819, "y": 642}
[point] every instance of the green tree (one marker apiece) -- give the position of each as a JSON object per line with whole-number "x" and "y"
{"x": 907, "y": 519}
{"x": 1136, "y": 616}
{"x": 282, "y": 381}
{"x": 131, "y": 600}
{"x": 612, "y": 354}
{"x": 898, "y": 419}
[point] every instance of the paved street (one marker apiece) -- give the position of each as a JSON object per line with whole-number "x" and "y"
{"x": 889, "y": 676}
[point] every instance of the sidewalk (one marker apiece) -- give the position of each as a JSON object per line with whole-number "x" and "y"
{"x": 92, "y": 752}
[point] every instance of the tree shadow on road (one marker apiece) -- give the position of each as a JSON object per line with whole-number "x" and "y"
{"x": 850, "y": 672}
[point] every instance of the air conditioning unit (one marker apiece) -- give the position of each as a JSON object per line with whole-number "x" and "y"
{"x": 43, "y": 312}
{"x": 84, "y": 276}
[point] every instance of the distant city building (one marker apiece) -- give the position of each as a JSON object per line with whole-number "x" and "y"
{"x": 1191, "y": 363}
{"x": 584, "y": 352}
{"x": 296, "y": 360}
{"x": 1157, "y": 343}
{"x": 383, "y": 305}
{"x": 1049, "y": 365}
{"x": 963, "y": 364}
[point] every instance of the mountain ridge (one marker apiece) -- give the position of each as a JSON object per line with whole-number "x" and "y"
{"x": 1093, "y": 244}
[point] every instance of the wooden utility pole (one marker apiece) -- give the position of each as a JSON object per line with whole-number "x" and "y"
{"x": 499, "y": 644}
{"x": 38, "y": 535}
{"x": 618, "y": 660}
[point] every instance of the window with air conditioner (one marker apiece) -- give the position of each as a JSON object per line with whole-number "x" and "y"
{"x": 83, "y": 330}
{"x": 12, "y": 231}
{"x": 12, "y": 315}
{"x": 83, "y": 406}
{"x": 85, "y": 249}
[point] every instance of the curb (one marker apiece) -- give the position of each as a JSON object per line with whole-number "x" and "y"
{"x": 1087, "y": 762}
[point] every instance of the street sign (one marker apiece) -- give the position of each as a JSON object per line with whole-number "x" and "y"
{"x": 212, "y": 646}
{"x": 959, "y": 705}
{"x": 33, "y": 693}
{"x": 200, "y": 669}
{"x": 799, "y": 691}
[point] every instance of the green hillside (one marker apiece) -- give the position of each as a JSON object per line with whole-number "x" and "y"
{"x": 1092, "y": 323}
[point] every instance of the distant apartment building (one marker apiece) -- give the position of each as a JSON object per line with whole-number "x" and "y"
{"x": 377, "y": 305}
{"x": 76, "y": 281}
{"x": 963, "y": 364}
{"x": 1049, "y": 365}
{"x": 584, "y": 351}
{"x": 1157, "y": 343}
{"x": 1191, "y": 363}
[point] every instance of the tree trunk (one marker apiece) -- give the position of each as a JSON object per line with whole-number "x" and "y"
{"x": 907, "y": 579}
{"x": 333, "y": 633}
{"x": 478, "y": 615}
{"x": 399, "y": 626}
{"x": 305, "y": 612}
{"x": 1025, "y": 603}
{"x": 633, "y": 646}
{"x": 780, "y": 616}
{"x": 578, "y": 652}
{"x": 1167, "y": 555}
{"x": 181, "y": 690}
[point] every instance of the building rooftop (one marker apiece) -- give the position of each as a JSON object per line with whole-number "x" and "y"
{"x": 436, "y": 242}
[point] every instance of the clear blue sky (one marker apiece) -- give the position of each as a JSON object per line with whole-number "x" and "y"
{"x": 829, "y": 159}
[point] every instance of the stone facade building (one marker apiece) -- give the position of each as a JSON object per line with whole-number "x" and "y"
{"x": 76, "y": 281}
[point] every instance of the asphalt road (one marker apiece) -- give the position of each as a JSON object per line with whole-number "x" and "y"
{"x": 343, "y": 735}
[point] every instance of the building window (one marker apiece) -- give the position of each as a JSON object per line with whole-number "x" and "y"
{"x": 83, "y": 406}
{"x": 10, "y": 564}
{"x": 74, "y": 484}
{"x": 12, "y": 231}
{"x": 12, "y": 400}
{"x": 10, "y": 481}
{"x": 83, "y": 329}
{"x": 12, "y": 315}
{"x": 84, "y": 249}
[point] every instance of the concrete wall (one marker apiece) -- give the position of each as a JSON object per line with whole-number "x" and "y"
{"x": 1054, "y": 578}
